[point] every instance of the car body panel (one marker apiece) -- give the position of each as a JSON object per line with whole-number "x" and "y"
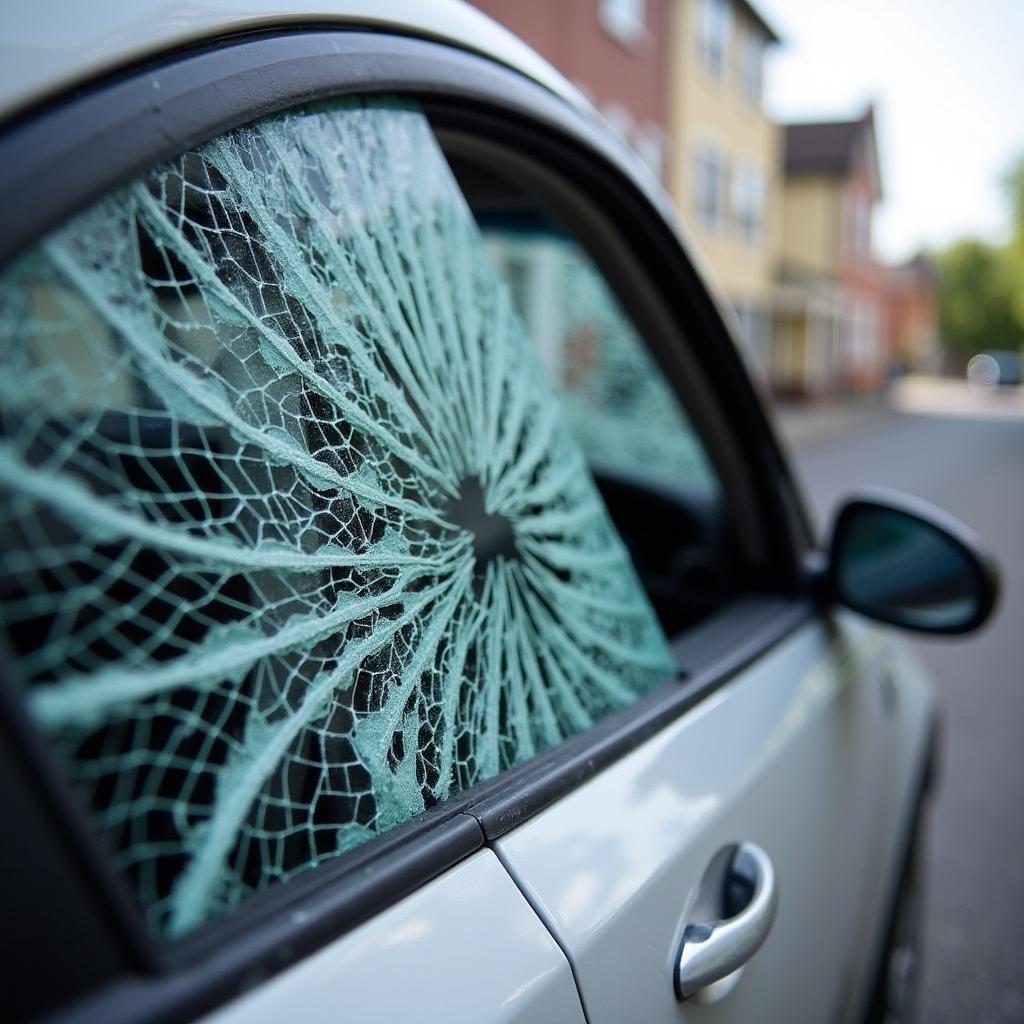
{"x": 466, "y": 947}
{"x": 801, "y": 754}
{"x": 905, "y": 753}
{"x": 51, "y": 45}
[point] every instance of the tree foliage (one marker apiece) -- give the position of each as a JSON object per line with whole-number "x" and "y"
{"x": 1013, "y": 269}
{"x": 975, "y": 307}
{"x": 982, "y": 296}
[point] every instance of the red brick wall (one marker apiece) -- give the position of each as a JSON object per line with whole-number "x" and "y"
{"x": 866, "y": 361}
{"x": 570, "y": 35}
{"x": 912, "y": 315}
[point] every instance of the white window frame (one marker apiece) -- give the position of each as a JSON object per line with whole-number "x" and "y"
{"x": 748, "y": 200}
{"x": 752, "y": 46}
{"x": 710, "y": 161}
{"x": 714, "y": 35}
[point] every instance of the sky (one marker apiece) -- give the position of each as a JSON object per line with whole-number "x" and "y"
{"x": 947, "y": 81}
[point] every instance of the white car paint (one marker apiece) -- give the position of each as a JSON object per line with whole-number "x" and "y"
{"x": 803, "y": 753}
{"x": 812, "y": 752}
{"x": 466, "y": 947}
{"x": 49, "y": 45}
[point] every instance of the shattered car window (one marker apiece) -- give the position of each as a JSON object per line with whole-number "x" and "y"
{"x": 620, "y": 407}
{"x": 295, "y": 540}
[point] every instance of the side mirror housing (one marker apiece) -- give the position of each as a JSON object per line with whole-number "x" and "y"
{"x": 900, "y": 560}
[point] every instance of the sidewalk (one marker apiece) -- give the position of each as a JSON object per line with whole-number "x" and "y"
{"x": 807, "y": 426}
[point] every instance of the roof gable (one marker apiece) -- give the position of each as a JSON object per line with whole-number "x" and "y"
{"x": 832, "y": 147}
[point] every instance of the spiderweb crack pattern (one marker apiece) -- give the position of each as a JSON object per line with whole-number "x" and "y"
{"x": 240, "y": 398}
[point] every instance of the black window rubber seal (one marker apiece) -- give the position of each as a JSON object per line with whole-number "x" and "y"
{"x": 57, "y": 159}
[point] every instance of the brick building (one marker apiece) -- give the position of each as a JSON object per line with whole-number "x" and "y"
{"x": 912, "y": 315}
{"x": 724, "y": 167}
{"x": 615, "y": 51}
{"x": 782, "y": 215}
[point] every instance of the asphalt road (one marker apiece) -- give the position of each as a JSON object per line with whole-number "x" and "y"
{"x": 973, "y": 967}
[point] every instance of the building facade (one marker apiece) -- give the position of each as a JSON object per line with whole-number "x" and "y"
{"x": 912, "y": 315}
{"x": 829, "y": 302}
{"x": 682, "y": 81}
{"x": 780, "y": 214}
{"x": 616, "y": 51}
{"x": 724, "y": 155}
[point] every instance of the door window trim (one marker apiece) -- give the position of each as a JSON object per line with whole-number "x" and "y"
{"x": 59, "y": 157}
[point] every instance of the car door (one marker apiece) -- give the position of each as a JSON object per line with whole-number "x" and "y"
{"x": 786, "y": 755}
{"x": 312, "y": 600}
{"x": 799, "y": 733}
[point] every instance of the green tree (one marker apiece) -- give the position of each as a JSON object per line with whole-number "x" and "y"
{"x": 1013, "y": 256}
{"x": 977, "y": 308}
{"x": 981, "y": 302}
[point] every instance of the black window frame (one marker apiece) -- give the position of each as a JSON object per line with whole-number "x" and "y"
{"x": 58, "y": 157}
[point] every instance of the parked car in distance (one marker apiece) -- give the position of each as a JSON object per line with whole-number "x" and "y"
{"x": 1000, "y": 368}
{"x": 406, "y": 609}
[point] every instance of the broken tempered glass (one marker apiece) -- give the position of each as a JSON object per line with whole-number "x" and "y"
{"x": 295, "y": 540}
{"x": 620, "y": 407}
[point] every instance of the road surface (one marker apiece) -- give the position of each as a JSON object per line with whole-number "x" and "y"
{"x": 974, "y": 467}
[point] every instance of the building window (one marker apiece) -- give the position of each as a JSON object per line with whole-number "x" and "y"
{"x": 748, "y": 200}
{"x": 624, "y": 19}
{"x": 752, "y": 46}
{"x": 713, "y": 31}
{"x": 709, "y": 187}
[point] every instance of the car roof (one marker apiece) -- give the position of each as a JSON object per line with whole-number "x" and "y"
{"x": 50, "y": 46}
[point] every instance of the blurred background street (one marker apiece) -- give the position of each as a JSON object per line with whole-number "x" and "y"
{"x": 969, "y": 461}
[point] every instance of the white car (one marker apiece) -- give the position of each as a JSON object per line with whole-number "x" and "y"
{"x": 406, "y": 609}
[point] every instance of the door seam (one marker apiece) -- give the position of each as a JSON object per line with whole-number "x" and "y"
{"x": 543, "y": 917}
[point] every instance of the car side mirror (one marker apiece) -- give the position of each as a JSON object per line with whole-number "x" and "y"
{"x": 901, "y": 561}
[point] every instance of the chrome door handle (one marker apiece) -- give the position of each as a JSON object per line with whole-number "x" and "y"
{"x": 713, "y": 953}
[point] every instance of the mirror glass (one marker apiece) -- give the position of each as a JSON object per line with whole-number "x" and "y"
{"x": 894, "y": 566}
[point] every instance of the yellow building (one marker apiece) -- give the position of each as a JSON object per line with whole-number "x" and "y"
{"x": 725, "y": 161}
{"x": 830, "y": 295}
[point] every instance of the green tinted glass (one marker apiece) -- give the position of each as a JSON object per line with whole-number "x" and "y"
{"x": 295, "y": 540}
{"x": 619, "y": 405}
